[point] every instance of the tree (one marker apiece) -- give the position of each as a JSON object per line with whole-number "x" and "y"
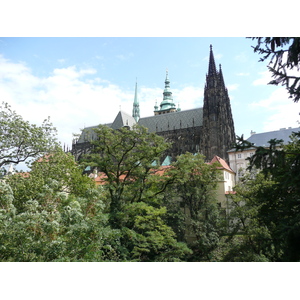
{"x": 65, "y": 229}
{"x": 272, "y": 197}
{"x": 55, "y": 214}
{"x": 194, "y": 192}
{"x": 284, "y": 55}
{"x": 249, "y": 238}
{"x": 58, "y": 166}
{"x": 20, "y": 140}
{"x": 128, "y": 161}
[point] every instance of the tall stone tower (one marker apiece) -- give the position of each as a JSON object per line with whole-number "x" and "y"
{"x": 218, "y": 133}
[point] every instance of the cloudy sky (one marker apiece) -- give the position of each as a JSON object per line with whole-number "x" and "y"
{"x": 80, "y": 82}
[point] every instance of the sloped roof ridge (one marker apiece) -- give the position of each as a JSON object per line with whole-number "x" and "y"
{"x": 262, "y": 139}
{"x": 121, "y": 119}
{"x": 223, "y": 163}
{"x": 173, "y": 113}
{"x": 173, "y": 120}
{"x": 279, "y": 130}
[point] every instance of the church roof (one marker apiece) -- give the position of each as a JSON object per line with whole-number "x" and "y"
{"x": 262, "y": 139}
{"x": 173, "y": 120}
{"x": 88, "y": 134}
{"x": 123, "y": 119}
{"x": 159, "y": 123}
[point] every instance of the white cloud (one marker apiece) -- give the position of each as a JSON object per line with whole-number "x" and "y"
{"x": 242, "y": 57}
{"x": 279, "y": 110}
{"x": 232, "y": 87}
{"x": 124, "y": 56}
{"x": 99, "y": 57}
{"x": 189, "y": 97}
{"x": 218, "y": 56}
{"x": 76, "y": 98}
{"x": 243, "y": 74}
{"x": 265, "y": 78}
{"x": 71, "y": 101}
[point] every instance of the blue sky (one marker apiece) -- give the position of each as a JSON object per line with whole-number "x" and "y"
{"x": 80, "y": 82}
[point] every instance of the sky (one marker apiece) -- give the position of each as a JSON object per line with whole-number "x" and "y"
{"x": 82, "y": 82}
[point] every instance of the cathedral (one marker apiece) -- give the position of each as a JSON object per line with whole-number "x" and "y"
{"x": 208, "y": 129}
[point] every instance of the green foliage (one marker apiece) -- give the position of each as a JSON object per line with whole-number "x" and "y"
{"x": 62, "y": 230}
{"x": 196, "y": 212}
{"x": 21, "y": 140}
{"x": 135, "y": 192}
{"x": 58, "y": 166}
{"x": 267, "y": 205}
{"x": 148, "y": 238}
{"x": 126, "y": 158}
{"x": 54, "y": 213}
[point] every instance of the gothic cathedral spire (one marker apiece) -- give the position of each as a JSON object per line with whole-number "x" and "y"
{"x": 218, "y": 134}
{"x": 136, "y": 106}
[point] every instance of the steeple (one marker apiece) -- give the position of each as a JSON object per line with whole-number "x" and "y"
{"x": 136, "y": 106}
{"x": 212, "y": 76}
{"x": 167, "y": 105}
{"x": 211, "y": 66}
{"x": 221, "y": 77}
{"x": 218, "y": 134}
{"x": 156, "y": 107}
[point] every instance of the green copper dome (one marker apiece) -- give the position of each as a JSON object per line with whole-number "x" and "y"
{"x": 167, "y": 102}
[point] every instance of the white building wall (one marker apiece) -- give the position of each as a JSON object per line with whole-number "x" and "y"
{"x": 238, "y": 161}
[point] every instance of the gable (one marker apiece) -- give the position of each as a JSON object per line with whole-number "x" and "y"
{"x": 123, "y": 119}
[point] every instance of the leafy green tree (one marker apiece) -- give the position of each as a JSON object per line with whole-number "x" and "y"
{"x": 126, "y": 158}
{"x": 284, "y": 55}
{"x": 129, "y": 160}
{"x": 196, "y": 210}
{"x": 58, "y": 166}
{"x": 271, "y": 200}
{"x": 249, "y": 238}
{"x": 20, "y": 140}
{"x": 56, "y": 227}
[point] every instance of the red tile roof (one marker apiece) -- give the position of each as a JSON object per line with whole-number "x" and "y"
{"x": 100, "y": 179}
{"x": 222, "y": 162}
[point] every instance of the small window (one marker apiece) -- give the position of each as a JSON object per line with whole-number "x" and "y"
{"x": 239, "y": 155}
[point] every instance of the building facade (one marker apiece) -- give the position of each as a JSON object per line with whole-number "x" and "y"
{"x": 238, "y": 160}
{"x": 208, "y": 129}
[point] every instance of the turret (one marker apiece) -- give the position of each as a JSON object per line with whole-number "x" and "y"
{"x": 167, "y": 105}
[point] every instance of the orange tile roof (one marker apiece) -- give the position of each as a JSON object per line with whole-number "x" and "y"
{"x": 100, "y": 179}
{"x": 222, "y": 162}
